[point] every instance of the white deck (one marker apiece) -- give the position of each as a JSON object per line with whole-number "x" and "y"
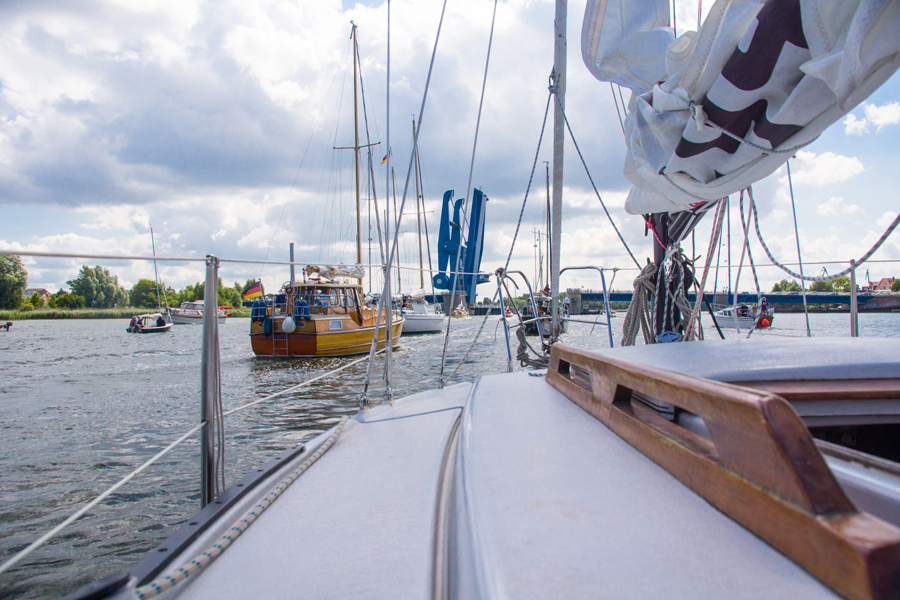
{"x": 546, "y": 502}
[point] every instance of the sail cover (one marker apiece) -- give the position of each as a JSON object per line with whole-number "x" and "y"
{"x": 714, "y": 111}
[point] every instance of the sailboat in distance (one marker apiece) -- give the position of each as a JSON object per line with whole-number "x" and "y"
{"x": 326, "y": 313}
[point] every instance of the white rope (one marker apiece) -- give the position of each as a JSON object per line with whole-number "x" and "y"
{"x": 638, "y": 310}
{"x": 699, "y": 115}
{"x": 856, "y": 264}
{"x": 80, "y": 512}
{"x": 204, "y": 559}
{"x": 713, "y": 242}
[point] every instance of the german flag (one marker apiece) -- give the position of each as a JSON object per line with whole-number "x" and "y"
{"x": 253, "y": 290}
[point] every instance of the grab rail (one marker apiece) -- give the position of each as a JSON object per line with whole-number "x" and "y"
{"x": 761, "y": 467}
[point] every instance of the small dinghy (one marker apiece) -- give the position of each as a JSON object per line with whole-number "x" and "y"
{"x": 149, "y": 323}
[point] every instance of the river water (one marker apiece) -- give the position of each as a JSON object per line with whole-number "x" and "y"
{"x": 82, "y": 404}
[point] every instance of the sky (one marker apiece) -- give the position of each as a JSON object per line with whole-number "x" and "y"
{"x": 217, "y": 123}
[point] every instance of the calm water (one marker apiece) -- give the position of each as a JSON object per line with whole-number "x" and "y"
{"x": 82, "y": 404}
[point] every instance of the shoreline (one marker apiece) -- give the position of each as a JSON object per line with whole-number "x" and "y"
{"x": 91, "y": 313}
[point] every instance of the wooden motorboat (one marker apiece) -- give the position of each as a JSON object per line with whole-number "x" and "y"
{"x": 149, "y": 323}
{"x": 320, "y": 317}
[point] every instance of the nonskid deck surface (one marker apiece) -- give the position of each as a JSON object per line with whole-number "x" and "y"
{"x": 545, "y": 502}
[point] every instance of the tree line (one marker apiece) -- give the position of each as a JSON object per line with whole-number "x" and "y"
{"x": 96, "y": 287}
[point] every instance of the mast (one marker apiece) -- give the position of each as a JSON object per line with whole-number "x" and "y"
{"x": 559, "y": 81}
{"x": 419, "y": 200}
{"x": 155, "y": 271}
{"x": 396, "y": 228}
{"x": 356, "y": 144}
{"x": 389, "y": 312}
{"x": 547, "y": 229}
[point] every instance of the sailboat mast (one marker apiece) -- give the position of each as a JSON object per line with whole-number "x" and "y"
{"x": 547, "y": 229}
{"x": 419, "y": 200}
{"x": 559, "y": 81}
{"x": 396, "y": 228}
{"x": 155, "y": 271}
{"x": 356, "y": 143}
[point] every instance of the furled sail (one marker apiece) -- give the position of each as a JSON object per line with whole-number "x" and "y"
{"x": 336, "y": 271}
{"x": 716, "y": 110}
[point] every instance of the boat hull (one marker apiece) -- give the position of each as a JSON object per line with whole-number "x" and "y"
{"x": 192, "y": 319}
{"x": 423, "y": 323}
{"x": 318, "y": 337}
{"x": 161, "y": 329}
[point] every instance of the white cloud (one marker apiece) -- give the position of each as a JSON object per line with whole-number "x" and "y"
{"x": 854, "y": 126}
{"x": 879, "y": 116}
{"x": 837, "y": 206}
{"x": 825, "y": 168}
{"x": 886, "y": 219}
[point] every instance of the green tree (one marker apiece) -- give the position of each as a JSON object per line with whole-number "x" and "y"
{"x": 841, "y": 284}
{"x": 486, "y": 301}
{"x": 63, "y": 299}
{"x": 787, "y": 286}
{"x": 821, "y": 286}
{"x": 895, "y": 285}
{"x": 36, "y": 300}
{"x": 99, "y": 288}
{"x": 13, "y": 281}
{"x": 143, "y": 294}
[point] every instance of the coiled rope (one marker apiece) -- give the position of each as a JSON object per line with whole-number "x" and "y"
{"x": 638, "y": 314}
{"x": 856, "y": 264}
{"x": 205, "y": 558}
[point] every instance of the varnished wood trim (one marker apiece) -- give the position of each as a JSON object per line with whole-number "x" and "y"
{"x": 762, "y": 467}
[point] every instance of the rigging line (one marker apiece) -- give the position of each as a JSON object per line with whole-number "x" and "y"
{"x": 618, "y": 114}
{"x": 297, "y": 174}
{"x": 622, "y": 98}
{"x": 750, "y": 259}
{"x": 797, "y": 237}
{"x": 363, "y": 401}
{"x": 537, "y": 153}
{"x": 80, "y": 512}
{"x": 856, "y": 264}
{"x": 593, "y": 185}
{"x": 373, "y": 187}
{"x": 699, "y": 13}
{"x": 700, "y": 290}
{"x": 465, "y": 206}
{"x": 674, "y": 23}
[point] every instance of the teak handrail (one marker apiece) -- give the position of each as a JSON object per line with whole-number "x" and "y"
{"x": 761, "y": 468}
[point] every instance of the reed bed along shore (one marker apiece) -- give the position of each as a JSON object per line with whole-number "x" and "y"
{"x": 90, "y": 313}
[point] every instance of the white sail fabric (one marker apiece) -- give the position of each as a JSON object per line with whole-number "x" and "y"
{"x": 774, "y": 73}
{"x": 335, "y": 271}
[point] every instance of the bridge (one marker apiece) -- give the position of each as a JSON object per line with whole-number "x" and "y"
{"x": 581, "y": 299}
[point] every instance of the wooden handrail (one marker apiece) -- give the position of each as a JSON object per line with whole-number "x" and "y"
{"x": 761, "y": 467}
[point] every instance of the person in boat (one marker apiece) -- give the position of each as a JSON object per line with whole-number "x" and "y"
{"x": 133, "y": 324}
{"x": 763, "y": 305}
{"x": 160, "y": 322}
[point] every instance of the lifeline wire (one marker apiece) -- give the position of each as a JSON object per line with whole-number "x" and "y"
{"x": 750, "y": 259}
{"x": 204, "y": 559}
{"x": 487, "y": 63}
{"x": 856, "y": 264}
{"x": 363, "y": 396}
{"x": 593, "y": 185}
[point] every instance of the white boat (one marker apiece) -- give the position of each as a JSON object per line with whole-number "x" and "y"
{"x": 744, "y": 316}
{"x": 673, "y": 470}
{"x": 192, "y": 312}
{"x": 421, "y": 317}
{"x": 534, "y": 485}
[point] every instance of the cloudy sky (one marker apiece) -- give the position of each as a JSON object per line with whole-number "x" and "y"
{"x": 216, "y": 124}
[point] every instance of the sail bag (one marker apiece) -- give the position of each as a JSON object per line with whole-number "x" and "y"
{"x": 714, "y": 111}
